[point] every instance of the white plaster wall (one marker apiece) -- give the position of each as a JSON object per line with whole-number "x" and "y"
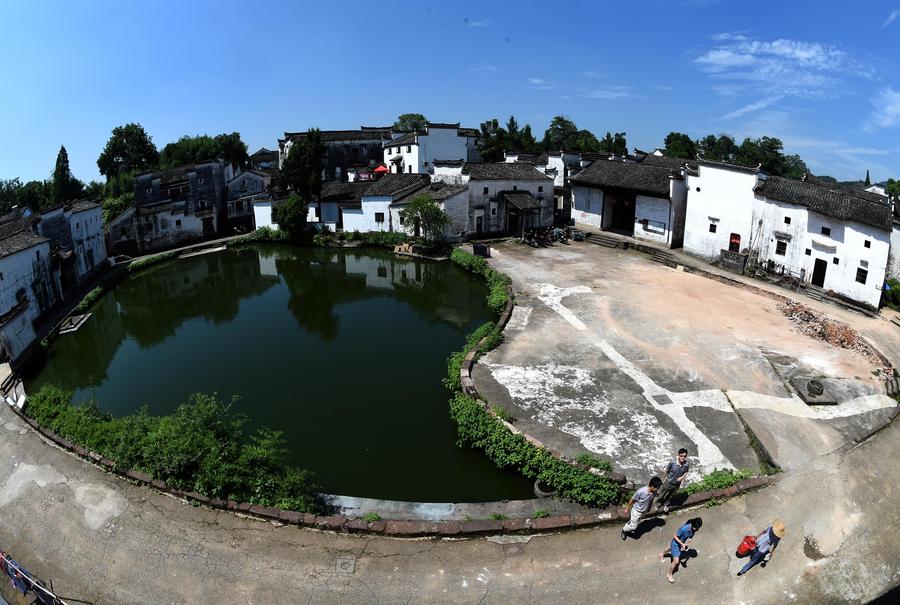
{"x": 587, "y": 206}
{"x": 657, "y": 211}
{"x": 482, "y": 192}
{"x": 726, "y": 198}
{"x": 440, "y": 144}
{"x": 449, "y": 174}
{"x": 262, "y": 214}
{"x": 87, "y": 236}
{"x": 457, "y": 208}
{"x": 894, "y": 266}
{"x": 247, "y": 183}
{"x": 363, "y": 220}
{"x": 17, "y": 274}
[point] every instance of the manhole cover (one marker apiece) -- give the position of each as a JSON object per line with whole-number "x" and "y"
{"x": 345, "y": 565}
{"x": 815, "y": 388}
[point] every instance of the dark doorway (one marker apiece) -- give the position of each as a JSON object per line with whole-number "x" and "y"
{"x": 622, "y": 219}
{"x": 514, "y": 223}
{"x": 208, "y": 228}
{"x": 818, "y": 278}
{"x": 479, "y": 224}
{"x": 734, "y": 243}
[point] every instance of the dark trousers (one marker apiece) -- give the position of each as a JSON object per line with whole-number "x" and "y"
{"x": 666, "y": 491}
{"x": 755, "y": 557}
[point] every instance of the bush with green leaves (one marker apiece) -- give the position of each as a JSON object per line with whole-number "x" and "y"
{"x": 496, "y": 281}
{"x": 892, "y": 296}
{"x": 371, "y": 517}
{"x": 455, "y": 361}
{"x": 262, "y": 234}
{"x": 202, "y": 446}
{"x": 478, "y": 429}
{"x": 89, "y": 299}
{"x": 592, "y": 461}
{"x": 154, "y": 259}
{"x": 540, "y": 514}
{"x": 718, "y": 479}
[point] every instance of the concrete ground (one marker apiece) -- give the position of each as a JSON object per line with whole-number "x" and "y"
{"x": 103, "y": 540}
{"x": 610, "y": 353}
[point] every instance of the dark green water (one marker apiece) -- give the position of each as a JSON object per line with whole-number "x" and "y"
{"x": 343, "y": 352}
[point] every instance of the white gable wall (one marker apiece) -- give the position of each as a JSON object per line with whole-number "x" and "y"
{"x": 656, "y": 211}
{"x": 87, "y": 237}
{"x": 587, "y": 206}
{"x": 363, "y": 220}
{"x": 894, "y": 264}
{"x": 721, "y": 197}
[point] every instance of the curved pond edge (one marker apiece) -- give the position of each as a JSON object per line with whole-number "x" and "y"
{"x": 417, "y": 528}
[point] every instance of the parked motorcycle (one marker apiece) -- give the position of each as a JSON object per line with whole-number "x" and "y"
{"x": 560, "y": 235}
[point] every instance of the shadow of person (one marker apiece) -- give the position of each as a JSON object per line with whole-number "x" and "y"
{"x": 646, "y": 526}
{"x": 678, "y": 499}
{"x": 686, "y": 555}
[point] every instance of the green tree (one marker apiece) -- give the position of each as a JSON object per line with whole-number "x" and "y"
{"x": 36, "y": 195}
{"x": 868, "y": 182}
{"x": 680, "y": 145}
{"x": 613, "y": 143}
{"x": 232, "y": 149}
{"x": 561, "y": 134}
{"x": 9, "y": 194}
{"x": 492, "y": 142}
{"x": 66, "y": 188}
{"x": 301, "y": 172}
{"x": 410, "y": 121}
{"x": 129, "y": 148}
{"x": 768, "y": 154}
{"x": 424, "y": 216}
{"x": 290, "y": 215}
{"x": 188, "y": 150}
{"x": 720, "y": 148}
{"x": 527, "y": 140}
{"x": 893, "y": 188}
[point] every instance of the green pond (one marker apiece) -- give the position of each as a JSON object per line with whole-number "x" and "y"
{"x": 343, "y": 351}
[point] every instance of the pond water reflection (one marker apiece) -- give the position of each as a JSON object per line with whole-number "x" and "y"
{"x": 342, "y": 351}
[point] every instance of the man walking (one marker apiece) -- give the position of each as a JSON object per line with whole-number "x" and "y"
{"x": 766, "y": 543}
{"x": 639, "y": 505}
{"x": 676, "y": 471}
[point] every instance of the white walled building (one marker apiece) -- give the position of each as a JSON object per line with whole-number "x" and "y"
{"x": 249, "y": 182}
{"x": 894, "y": 258}
{"x": 834, "y": 238}
{"x": 374, "y": 212}
{"x": 86, "y": 225}
{"x": 415, "y": 152}
{"x": 452, "y": 199}
{"x": 504, "y": 197}
{"x": 28, "y": 286}
{"x": 645, "y": 201}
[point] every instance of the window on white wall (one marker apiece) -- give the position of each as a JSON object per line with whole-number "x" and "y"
{"x": 826, "y": 231}
{"x": 862, "y": 275}
{"x": 781, "y": 248}
{"x": 379, "y": 217}
{"x": 712, "y": 227}
{"x": 867, "y": 244}
{"x": 787, "y": 220}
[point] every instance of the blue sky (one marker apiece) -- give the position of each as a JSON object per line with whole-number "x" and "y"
{"x": 822, "y": 76}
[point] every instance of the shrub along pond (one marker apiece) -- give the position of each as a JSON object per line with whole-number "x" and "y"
{"x": 342, "y": 351}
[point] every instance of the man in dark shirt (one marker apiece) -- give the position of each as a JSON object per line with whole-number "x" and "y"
{"x": 676, "y": 471}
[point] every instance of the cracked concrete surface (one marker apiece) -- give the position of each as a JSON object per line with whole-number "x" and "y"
{"x": 616, "y": 355}
{"x": 840, "y": 546}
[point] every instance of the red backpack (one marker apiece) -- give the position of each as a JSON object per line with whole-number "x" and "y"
{"x": 746, "y": 545}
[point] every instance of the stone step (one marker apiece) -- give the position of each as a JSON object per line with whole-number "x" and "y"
{"x": 603, "y": 240}
{"x": 895, "y": 321}
{"x": 892, "y": 385}
{"x": 664, "y": 258}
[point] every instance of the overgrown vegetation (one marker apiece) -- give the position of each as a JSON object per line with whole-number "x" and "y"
{"x": 498, "y": 517}
{"x": 153, "y": 259}
{"x": 540, "y": 514}
{"x": 496, "y": 281}
{"x": 263, "y": 234}
{"x": 89, "y": 299}
{"x": 892, "y": 297}
{"x": 455, "y": 361}
{"x": 502, "y": 414}
{"x": 592, "y": 461}
{"x": 718, "y": 479}
{"x": 202, "y": 446}
{"x": 478, "y": 429}
{"x": 371, "y": 517}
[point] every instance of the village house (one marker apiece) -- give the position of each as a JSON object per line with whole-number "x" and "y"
{"x": 243, "y": 190}
{"x": 561, "y": 165}
{"x": 29, "y": 287}
{"x": 343, "y": 149}
{"x": 504, "y": 197}
{"x": 374, "y": 212}
{"x": 452, "y": 199}
{"x": 264, "y": 159}
{"x": 643, "y": 199}
{"x": 830, "y": 237}
{"x": 75, "y": 233}
{"x": 894, "y": 259}
{"x": 173, "y": 207}
{"x": 415, "y": 152}
{"x": 336, "y": 197}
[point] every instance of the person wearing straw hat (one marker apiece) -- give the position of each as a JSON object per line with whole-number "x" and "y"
{"x": 766, "y": 543}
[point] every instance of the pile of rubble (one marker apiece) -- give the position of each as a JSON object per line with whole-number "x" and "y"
{"x": 814, "y": 324}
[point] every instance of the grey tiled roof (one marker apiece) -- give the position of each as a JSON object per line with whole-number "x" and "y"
{"x": 728, "y": 166}
{"x": 523, "y": 200}
{"x": 651, "y": 180}
{"x": 82, "y": 205}
{"x": 503, "y": 171}
{"x": 398, "y": 184}
{"x": 438, "y": 191}
{"x": 332, "y": 136}
{"x": 406, "y": 139}
{"x": 833, "y": 202}
{"x": 448, "y": 162}
{"x": 661, "y": 160}
{"x": 344, "y": 192}
{"x": 16, "y": 235}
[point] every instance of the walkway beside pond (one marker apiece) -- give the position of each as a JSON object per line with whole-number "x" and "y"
{"x": 100, "y": 539}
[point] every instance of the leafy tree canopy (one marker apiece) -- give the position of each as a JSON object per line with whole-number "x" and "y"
{"x": 66, "y": 188}
{"x": 291, "y": 216}
{"x": 893, "y": 187}
{"x": 410, "y": 121}
{"x": 492, "y": 142}
{"x": 193, "y": 149}
{"x": 680, "y": 145}
{"x": 561, "y": 134}
{"x": 301, "y": 171}
{"x": 612, "y": 143}
{"x": 422, "y": 214}
{"x": 129, "y": 148}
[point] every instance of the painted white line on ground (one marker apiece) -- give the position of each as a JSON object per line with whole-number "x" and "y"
{"x": 552, "y": 296}
{"x": 794, "y": 406}
{"x": 519, "y": 318}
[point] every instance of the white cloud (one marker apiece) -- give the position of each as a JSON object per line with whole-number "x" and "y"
{"x": 726, "y": 36}
{"x": 891, "y": 18}
{"x": 607, "y": 93}
{"x": 535, "y": 81}
{"x": 478, "y": 23}
{"x": 784, "y": 67}
{"x": 593, "y": 74}
{"x": 540, "y": 84}
{"x": 886, "y": 109}
{"x": 663, "y": 87}
{"x": 750, "y": 108}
